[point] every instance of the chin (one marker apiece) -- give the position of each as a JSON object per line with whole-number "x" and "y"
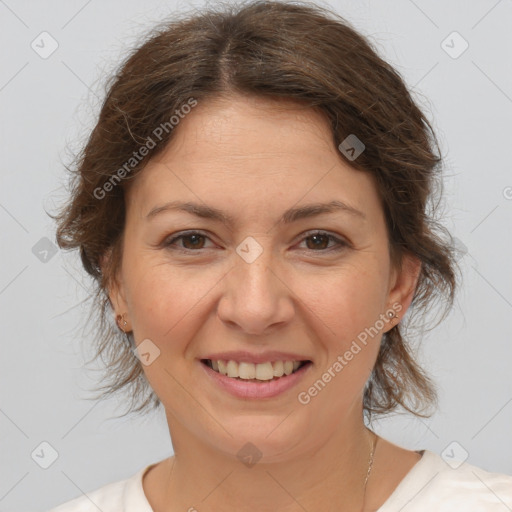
{"x": 267, "y": 439}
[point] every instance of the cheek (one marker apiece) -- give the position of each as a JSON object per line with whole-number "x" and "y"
{"x": 345, "y": 301}
{"x": 166, "y": 308}
{"x": 164, "y": 299}
{"x": 344, "y": 309}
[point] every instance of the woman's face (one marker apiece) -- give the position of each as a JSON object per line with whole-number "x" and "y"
{"x": 244, "y": 271}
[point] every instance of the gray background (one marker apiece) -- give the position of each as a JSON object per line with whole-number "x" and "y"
{"x": 47, "y": 107}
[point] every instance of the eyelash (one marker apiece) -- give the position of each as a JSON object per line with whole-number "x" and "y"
{"x": 341, "y": 243}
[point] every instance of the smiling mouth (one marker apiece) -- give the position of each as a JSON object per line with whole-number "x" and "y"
{"x": 270, "y": 370}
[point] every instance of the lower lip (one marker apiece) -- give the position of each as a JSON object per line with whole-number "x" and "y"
{"x": 263, "y": 389}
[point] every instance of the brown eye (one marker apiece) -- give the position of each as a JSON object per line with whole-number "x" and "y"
{"x": 193, "y": 241}
{"x": 317, "y": 242}
{"x": 320, "y": 242}
{"x": 189, "y": 242}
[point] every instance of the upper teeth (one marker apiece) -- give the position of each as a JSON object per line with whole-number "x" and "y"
{"x": 260, "y": 371}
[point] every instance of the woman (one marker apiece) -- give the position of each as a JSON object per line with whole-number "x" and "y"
{"x": 252, "y": 204}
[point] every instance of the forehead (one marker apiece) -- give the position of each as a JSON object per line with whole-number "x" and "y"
{"x": 252, "y": 152}
{"x": 251, "y": 127}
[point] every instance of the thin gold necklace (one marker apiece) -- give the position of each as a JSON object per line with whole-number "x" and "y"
{"x": 370, "y": 465}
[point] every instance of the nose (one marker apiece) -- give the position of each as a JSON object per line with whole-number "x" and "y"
{"x": 255, "y": 299}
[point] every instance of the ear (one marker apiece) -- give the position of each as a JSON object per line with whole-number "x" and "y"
{"x": 114, "y": 287}
{"x": 402, "y": 284}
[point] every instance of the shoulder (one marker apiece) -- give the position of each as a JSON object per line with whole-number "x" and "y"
{"x": 107, "y": 498}
{"x": 436, "y": 484}
{"x": 464, "y": 483}
{"x": 125, "y": 495}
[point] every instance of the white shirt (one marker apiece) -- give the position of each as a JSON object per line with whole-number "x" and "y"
{"x": 430, "y": 486}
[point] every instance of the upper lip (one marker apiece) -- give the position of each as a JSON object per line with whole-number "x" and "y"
{"x": 250, "y": 357}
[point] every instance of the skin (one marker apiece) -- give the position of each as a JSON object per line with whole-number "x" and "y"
{"x": 254, "y": 159}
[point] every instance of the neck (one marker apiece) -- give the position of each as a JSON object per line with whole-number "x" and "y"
{"x": 329, "y": 477}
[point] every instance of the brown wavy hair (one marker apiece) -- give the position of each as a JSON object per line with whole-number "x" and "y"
{"x": 277, "y": 50}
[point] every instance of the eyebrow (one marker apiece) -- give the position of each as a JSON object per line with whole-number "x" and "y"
{"x": 289, "y": 216}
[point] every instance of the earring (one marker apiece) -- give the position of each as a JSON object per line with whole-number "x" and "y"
{"x": 129, "y": 338}
{"x": 393, "y": 317}
{"x": 125, "y": 323}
